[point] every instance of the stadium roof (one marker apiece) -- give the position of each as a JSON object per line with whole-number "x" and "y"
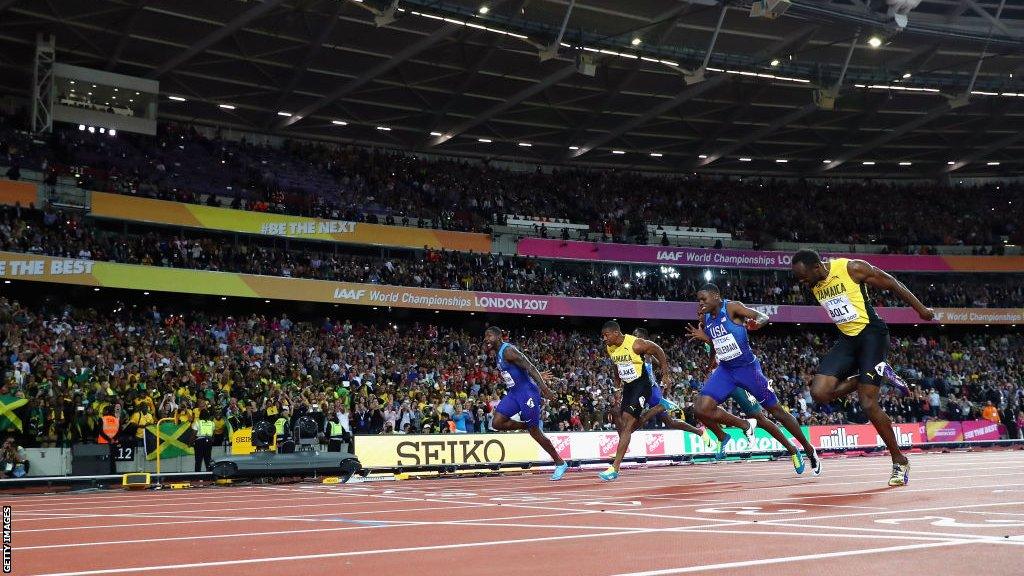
{"x": 646, "y": 84}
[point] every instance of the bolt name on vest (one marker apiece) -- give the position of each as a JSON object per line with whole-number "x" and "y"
{"x": 830, "y": 291}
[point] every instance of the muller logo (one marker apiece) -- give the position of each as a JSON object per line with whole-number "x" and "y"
{"x": 608, "y": 444}
{"x": 838, "y": 438}
{"x": 563, "y": 445}
{"x": 656, "y": 445}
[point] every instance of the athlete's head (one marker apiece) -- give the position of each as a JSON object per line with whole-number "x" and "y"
{"x": 641, "y": 333}
{"x": 611, "y": 333}
{"x": 808, "y": 267}
{"x": 493, "y": 337}
{"x": 709, "y": 298}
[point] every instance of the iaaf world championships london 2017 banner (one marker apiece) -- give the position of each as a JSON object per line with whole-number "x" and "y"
{"x": 753, "y": 259}
{"x": 30, "y": 267}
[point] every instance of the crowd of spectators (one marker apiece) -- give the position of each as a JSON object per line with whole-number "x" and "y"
{"x": 383, "y": 377}
{"x": 54, "y": 233}
{"x": 358, "y": 184}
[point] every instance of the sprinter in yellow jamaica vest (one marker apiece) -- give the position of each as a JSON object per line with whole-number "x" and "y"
{"x": 857, "y": 360}
{"x": 635, "y": 381}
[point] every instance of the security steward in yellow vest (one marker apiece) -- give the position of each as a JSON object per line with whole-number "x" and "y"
{"x": 111, "y": 427}
{"x": 281, "y": 427}
{"x": 336, "y": 434}
{"x": 203, "y": 443}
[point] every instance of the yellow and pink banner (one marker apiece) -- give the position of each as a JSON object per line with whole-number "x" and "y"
{"x": 118, "y": 207}
{"x": 17, "y": 266}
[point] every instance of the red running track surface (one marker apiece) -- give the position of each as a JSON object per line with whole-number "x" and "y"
{"x": 963, "y": 513}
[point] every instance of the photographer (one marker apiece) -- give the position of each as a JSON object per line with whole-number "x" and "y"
{"x": 13, "y": 463}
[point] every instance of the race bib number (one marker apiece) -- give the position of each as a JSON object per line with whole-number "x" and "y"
{"x": 627, "y": 371}
{"x": 727, "y": 348}
{"x": 507, "y": 378}
{"x": 840, "y": 309}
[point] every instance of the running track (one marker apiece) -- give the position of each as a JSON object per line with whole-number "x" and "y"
{"x": 963, "y": 513}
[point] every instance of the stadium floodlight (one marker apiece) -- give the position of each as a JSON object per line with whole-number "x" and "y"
{"x": 744, "y": 159}
{"x": 176, "y": 98}
{"x": 950, "y": 163}
{"x": 483, "y": 140}
{"x": 618, "y": 151}
{"x": 906, "y": 163}
{"x": 702, "y": 156}
{"x": 435, "y": 134}
{"x": 339, "y": 122}
{"x": 285, "y": 114}
{"x": 383, "y": 128}
{"x": 525, "y": 144}
{"x": 636, "y": 41}
{"x": 875, "y": 41}
{"x": 992, "y": 164}
{"x": 775, "y": 62}
{"x": 484, "y": 9}
{"x": 868, "y": 163}
{"x": 906, "y": 75}
{"x": 657, "y": 154}
{"x": 574, "y": 147}
{"x": 226, "y": 106}
{"x": 781, "y": 161}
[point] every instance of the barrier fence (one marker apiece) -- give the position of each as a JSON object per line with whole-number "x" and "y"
{"x": 430, "y": 450}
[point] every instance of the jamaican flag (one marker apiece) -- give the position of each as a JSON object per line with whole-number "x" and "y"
{"x": 175, "y": 440}
{"x": 12, "y": 412}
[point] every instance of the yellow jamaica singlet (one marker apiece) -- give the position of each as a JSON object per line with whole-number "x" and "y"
{"x": 845, "y": 299}
{"x": 629, "y": 364}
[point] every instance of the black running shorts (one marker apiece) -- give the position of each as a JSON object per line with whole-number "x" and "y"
{"x": 857, "y": 356}
{"x": 635, "y": 394}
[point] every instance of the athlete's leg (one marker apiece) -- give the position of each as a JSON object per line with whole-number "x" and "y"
{"x": 675, "y": 424}
{"x": 718, "y": 387}
{"x": 792, "y": 425}
{"x": 503, "y": 423}
{"x": 752, "y": 409}
{"x": 625, "y": 435}
{"x": 647, "y": 416}
{"x": 765, "y": 396}
{"x": 546, "y": 444}
{"x": 839, "y": 363}
{"x": 869, "y": 402}
{"x": 765, "y": 423}
{"x": 846, "y": 387}
{"x": 872, "y": 349}
{"x": 708, "y": 411}
{"x": 503, "y": 413}
{"x": 716, "y": 429}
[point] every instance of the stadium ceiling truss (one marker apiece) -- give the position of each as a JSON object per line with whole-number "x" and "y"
{"x": 664, "y": 85}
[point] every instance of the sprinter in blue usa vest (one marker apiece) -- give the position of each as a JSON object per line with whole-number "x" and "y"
{"x": 524, "y": 387}
{"x": 724, "y": 325}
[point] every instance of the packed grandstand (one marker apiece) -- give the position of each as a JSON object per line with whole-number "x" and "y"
{"x": 70, "y": 358}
